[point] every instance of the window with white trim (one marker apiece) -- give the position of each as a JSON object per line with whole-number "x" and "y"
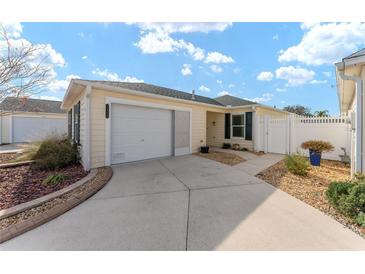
{"x": 238, "y": 125}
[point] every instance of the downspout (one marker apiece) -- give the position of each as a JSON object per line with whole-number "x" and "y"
{"x": 359, "y": 167}
{"x": 87, "y": 128}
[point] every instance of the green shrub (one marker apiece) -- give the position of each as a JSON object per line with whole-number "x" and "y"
{"x": 28, "y": 153}
{"x": 336, "y": 190}
{"x": 56, "y": 153}
{"x": 55, "y": 179}
{"x": 226, "y": 145}
{"x": 349, "y": 199}
{"x": 297, "y": 164}
{"x": 360, "y": 219}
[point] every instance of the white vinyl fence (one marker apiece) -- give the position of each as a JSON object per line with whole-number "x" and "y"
{"x": 285, "y": 135}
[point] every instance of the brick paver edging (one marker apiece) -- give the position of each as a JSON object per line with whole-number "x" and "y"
{"x": 26, "y": 225}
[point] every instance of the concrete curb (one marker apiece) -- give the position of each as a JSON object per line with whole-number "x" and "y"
{"x": 16, "y": 164}
{"x": 36, "y": 202}
{"x": 26, "y": 225}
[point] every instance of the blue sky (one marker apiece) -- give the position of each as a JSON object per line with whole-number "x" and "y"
{"x": 275, "y": 64}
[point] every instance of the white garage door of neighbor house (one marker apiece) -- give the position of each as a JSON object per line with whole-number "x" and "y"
{"x": 29, "y": 129}
{"x": 139, "y": 133}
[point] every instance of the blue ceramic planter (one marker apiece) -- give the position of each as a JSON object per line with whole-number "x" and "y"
{"x": 315, "y": 158}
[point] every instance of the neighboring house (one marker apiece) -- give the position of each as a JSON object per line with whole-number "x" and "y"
{"x": 350, "y": 74}
{"x": 26, "y": 120}
{"x": 118, "y": 122}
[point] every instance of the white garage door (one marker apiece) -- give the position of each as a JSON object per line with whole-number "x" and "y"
{"x": 139, "y": 133}
{"x": 29, "y": 129}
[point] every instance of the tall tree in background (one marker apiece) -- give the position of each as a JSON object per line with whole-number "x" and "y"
{"x": 321, "y": 113}
{"x": 23, "y": 71}
{"x": 299, "y": 110}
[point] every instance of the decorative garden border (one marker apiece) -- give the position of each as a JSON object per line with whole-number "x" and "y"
{"x": 23, "y": 226}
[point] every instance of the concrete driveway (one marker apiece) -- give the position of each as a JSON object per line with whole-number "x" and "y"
{"x": 188, "y": 203}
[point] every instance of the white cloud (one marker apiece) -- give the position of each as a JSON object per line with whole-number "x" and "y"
{"x": 195, "y": 52}
{"x": 112, "y": 76}
{"x": 216, "y": 68}
{"x": 326, "y": 43}
{"x": 160, "y": 42}
{"x": 84, "y": 57}
{"x": 308, "y": 25}
{"x": 52, "y": 98}
{"x": 219, "y": 82}
{"x": 204, "y": 88}
{"x": 132, "y": 79}
{"x": 318, "y": 81}
{"x": 280, "y": 89}
{"x": 224, "y": 92}
{"x": 156, "y": 38}
{"x": 106, "y": 74}
{"x": 266, "y": 97}
{"x": 294, "y": 76}
{"x": 186, "y": 70}
{"x": 275, "y": 37}
{"x": 184, "y": 27}
{"x": 265, "y": 76}
{"x": 218, "y": 58}
{"x": 327, "y": 73}
{"x": 44, "y": 55}
{"x": 13, "y": 29}
{"x": 56, "y": 85}
{"x": 157, "y": 42}
{"x": 231, "y": 85}
{"x": 236, "y": 70}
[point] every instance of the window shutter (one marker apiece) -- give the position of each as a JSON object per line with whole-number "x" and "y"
{"x": 70, "y": 124}
{"x": 227, "y": 126}
{"x": 248, "y": 132}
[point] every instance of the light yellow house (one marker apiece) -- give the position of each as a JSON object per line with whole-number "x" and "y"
{"x": 118, "y": 122}
{"x": 350, "y": 74}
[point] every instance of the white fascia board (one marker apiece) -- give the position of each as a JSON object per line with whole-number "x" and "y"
{"x": 70, "y": 86}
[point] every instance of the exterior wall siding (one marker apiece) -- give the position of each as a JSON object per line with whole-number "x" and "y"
{"x": 83, "y": 110}
{"x": 215, "y": 131}
{"x": 98, "y": 141}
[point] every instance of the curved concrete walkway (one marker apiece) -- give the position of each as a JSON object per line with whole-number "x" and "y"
{"x": 188, "y": 203}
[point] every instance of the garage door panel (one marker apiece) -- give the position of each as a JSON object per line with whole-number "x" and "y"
{"x": 139, "y": 133}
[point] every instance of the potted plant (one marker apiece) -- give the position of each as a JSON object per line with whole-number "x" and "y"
{"x": 204, "y": 149}
{"x": 226, "y": 145}
{"x": 315, "y": 150}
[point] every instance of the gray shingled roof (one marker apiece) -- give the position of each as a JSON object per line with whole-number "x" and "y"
{"x": 30, "y": 105}
{"x": 228, "y": 100}
{"x": 356, "y": 54}
{"x": 148, "y": 88}
{"x": 153, "y": 89}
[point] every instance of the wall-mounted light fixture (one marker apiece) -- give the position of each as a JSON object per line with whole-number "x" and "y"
{"x": 213, "y": 123}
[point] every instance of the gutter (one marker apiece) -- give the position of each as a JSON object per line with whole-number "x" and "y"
{"x": 359, "y": 167}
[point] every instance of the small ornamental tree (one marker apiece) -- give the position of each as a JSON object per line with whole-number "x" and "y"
{"x": 317, "y": 146}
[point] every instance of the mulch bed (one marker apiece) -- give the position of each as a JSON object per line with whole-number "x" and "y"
{"x": 5, "y": 157}
{"x": 222, "y": 157}
{"x": 24, "y": 183}
{"x": 311, "y": 188}
{"x": 102, "y": 176}
{"x": 257, "y": 153}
